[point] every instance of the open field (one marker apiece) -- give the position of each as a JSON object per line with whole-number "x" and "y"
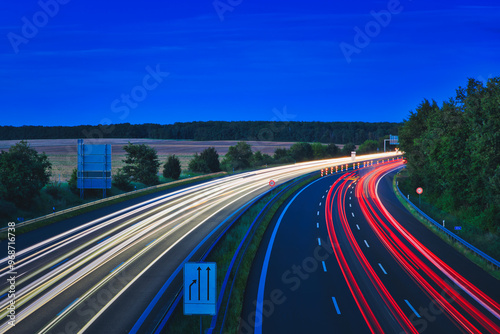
{"x": 62, "y": 152}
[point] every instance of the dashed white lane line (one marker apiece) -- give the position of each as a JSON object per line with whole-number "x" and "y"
{"x": 319, "y": 241}
{"x": 366, "y": 243}
{"x": 317, "y": 213}
{"x": 357, "y": 226}
{"x": 317, "y": 225}
{"x": 414, "y": 311}
{"x": 352, "y": 213}
{"x": 319, "y": 203}
{"x": 380, "y": 265}
{"x": 336, "y": 305}
{"x": 324, "y": 266}
{"x": 349, "y": 197}
{"x": 350, "y": 205}
{"x": 323, "y": 196}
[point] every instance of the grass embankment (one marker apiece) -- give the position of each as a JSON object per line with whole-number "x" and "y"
{"x": 223, "y": 253}
{"x": 110, "y": 201}
{"x": 487, "y": 242}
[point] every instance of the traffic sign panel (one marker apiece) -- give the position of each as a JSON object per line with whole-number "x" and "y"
{"x": 200, "y": 288}
{"x": 272, "y": 183}
{"x": 420, "y": 190}
{"x": 458, "y": 228}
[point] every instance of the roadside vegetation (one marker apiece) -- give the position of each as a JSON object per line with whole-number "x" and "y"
{"x": 453, "y": 154}
{"x": 26, "y": 191}
{"x": 487, "y": 242}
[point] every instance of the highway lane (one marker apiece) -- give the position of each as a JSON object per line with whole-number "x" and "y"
{"x": 123, "y": 260}
{"x": 390, "y": 295}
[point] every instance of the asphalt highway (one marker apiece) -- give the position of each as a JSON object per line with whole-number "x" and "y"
{"x": 119, "y": 272}
{"x": 344, "y": 256}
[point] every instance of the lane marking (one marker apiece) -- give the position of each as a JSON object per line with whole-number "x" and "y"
{"x": 352, "y": 213}
{"x": 323, "y": 196}
{"x": 357, "y": 226}
{"x": 67, "y": 307}
{"x": 349, "y": 197}
{"x": 336, "y": 305}
{"x": 117, "y": 267}
{"x": 317, "y": 225}
{"x": 380, "y": 265}
{"x": 318, "y": 213}
{"x": 319, "y": 241}
{"x": 319, "y": 203}
{"x": 58, "y": 264}
{"x": 350, "y": 205}
{"x": 150, "y": 243}
{"x": 265, "y": 265}
{"x": 324, "y": 266}
{"x": 414, "y": 311}
{"x": 366, "y": 243}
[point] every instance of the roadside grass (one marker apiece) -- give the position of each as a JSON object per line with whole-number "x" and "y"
{"x": 68, "y": 200}
{"x": 223, "y": 253}
{"x": 452, "y": 221}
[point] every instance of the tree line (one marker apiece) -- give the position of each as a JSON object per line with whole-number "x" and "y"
{"x": 453, "y": 152}
{"x": 324, "y": 132}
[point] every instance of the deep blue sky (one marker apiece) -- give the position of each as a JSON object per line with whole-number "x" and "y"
{"x": 263, "y": 55}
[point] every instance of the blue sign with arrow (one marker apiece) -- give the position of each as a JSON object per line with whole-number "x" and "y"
{"x": 200, "y": 288}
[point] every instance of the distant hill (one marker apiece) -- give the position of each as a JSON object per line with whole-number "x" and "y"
{"x": 325, "y": 132}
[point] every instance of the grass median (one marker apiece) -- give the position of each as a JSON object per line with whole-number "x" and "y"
{"x": 480, "y": 261}
{"x": 223, "y": 253}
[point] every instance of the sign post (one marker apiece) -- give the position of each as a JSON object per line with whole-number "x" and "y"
{"x": 419, "y": 191}
{"x": 200, "y": 289}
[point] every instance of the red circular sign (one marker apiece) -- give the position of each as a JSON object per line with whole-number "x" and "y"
{"x": 420, "y": 190}
{"x": 272, "y": 183}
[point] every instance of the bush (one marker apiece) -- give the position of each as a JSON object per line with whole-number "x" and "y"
{"x": 259, "y": 159}
{"x": 369, "y": 146}
{"x": 238, "y": 156}
{"x": 211, "y": 158}
{"x": 73, "y": 181}
{"x": 280, "y": 153}
{"x": 332, "y": 150}
{"x": 198, "y": 165}
{"x": 347, "y": 149}
{"x": 301, "y": 152}
{"x": 172, "y": 168}
{"x": 121, "y": 180}
{"x": 54, "y": 190}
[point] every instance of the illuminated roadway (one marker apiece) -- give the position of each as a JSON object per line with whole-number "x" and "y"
{"x": 346, "y": 257}
{"x": 120, "y": 272}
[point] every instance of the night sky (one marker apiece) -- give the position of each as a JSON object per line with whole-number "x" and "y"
{"x": 166, "y": 61}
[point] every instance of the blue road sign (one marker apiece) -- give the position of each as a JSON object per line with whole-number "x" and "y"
{"x": 200, "y": 288}
{"x": 458, "y": 228}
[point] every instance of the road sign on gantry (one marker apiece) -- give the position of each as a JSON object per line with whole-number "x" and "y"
{"x": 200, "y": 288}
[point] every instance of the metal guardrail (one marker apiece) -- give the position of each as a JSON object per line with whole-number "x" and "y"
{"x": 451, "y": 234}
{"x": 104, "y": 200}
